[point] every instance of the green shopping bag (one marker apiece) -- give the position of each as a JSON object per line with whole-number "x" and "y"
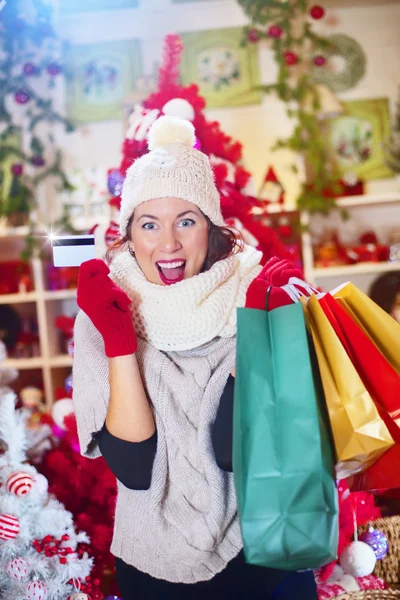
{"x": 283, "y": 462}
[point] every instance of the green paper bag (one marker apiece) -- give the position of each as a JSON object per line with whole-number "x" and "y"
{"x": 283, "y": 461}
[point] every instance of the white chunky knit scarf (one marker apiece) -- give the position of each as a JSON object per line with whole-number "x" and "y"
{"x": 193, "y": 311}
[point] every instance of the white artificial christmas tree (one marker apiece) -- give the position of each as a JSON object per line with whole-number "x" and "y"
{"x": 40, "y": 554}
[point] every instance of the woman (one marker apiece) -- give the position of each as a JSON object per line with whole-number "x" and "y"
{"x": 153, "y": 379}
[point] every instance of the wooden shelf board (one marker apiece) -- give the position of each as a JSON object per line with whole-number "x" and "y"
{"x": 368, "y": 199}
{"x": 18, "y": 298}
{"x": 35, "y": 362}
{"x": 62, "y": 360}
{"x": 59, "y": 294}
{"x": 358, "y": 269}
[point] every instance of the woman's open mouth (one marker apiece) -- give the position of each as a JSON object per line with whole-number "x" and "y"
{"x": 171, "y": 271}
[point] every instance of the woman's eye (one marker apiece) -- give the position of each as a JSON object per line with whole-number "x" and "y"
{"x": 149, "y": 226}
{"x": 186, "y": 223}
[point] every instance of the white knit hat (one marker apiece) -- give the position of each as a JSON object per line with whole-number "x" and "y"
{"x": 172, "y": 168}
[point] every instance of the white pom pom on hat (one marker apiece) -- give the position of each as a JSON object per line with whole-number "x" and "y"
{"x": 172, "y": 169}
{"x": 171, "y": 130}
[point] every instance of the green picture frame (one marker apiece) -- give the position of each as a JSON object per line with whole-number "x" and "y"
{"x": 226, "y": 72}
{"x": 7, "y": 159}
{"x": 98, "y": 77}
{"x": 355, "y": 138}
{"x": 81, "y": 6}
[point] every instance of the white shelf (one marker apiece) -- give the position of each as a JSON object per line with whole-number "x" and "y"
{"x": 59, "y": 294}
{"x": 368, "y": 200}
{"x": 35, "y": 362}
{"x": 63, "y": 360}
{"x": 358, "y": 269}
{"x": 18, "y": 298}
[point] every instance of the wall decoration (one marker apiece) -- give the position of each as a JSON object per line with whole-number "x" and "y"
{"x": 355, "y": 138}
{"x": 99, "y": 76}
{"x": 226, "y": 72}
{"x": 349, "y": 51}
{"x": 72, "y": 6}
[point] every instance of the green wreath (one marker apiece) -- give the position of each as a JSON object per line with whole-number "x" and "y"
{"x": 354, "y": 70}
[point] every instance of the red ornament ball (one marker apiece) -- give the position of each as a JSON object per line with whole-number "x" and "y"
{"x": 291, "y": 58}
{"x": 17, "y": 170}
{"x": 319, "y": 60}
{"x": 253, "y": 35}
{"x": 9, "y": 527}
{"x": 317, "y": 12}
{"x": 19, "y": 483}
{"x": 36, "y": 590}
{"x": 275, "y": 32}
{"x": 18, "y": 569}
{"x": 22, "y": 96}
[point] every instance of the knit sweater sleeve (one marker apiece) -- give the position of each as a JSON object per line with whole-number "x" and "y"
{"x": 91, "y": 390}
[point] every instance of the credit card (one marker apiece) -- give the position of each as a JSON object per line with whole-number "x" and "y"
{"x": 72, "y": 250}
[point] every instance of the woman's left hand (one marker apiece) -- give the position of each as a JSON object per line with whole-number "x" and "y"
{"x": 275, "y": 273}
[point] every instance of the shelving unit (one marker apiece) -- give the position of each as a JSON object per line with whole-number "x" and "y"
{"x": 383, "y": 212}
{"x": 52, "y": 364}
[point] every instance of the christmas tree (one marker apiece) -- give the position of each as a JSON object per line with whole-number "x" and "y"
{"x": 239, "y": 207}
{"x": 41, "y": 553}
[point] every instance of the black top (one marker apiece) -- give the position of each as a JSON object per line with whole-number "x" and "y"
{"x": 132, "y": 462}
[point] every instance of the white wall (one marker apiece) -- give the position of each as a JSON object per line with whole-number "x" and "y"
{"x": 257, "y": 127}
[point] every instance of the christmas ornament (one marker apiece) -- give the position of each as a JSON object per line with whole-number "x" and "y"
{"x": 275, "y": 32}
{"x": 17, "y": 169}
{"x": 21, "y": 96}
{"x": 20, "y": 483}
{"x": 291, "y": 58}
{"x": 38, "y": 161}
{"x": 317, "y": 12}
{"x": 115, "y": 181}
{"x": 18, "y": 569}
{"x": 319, "y": 61}
{"x": 271, "y": 190}
{"x": 30, "y": 69}
{"x": 253, "y": 35}
{"x": 61, "y": 409}
{"x": 358, "y": 559}
{"x": 54, "y": 69}
{"x": 350, "y": 52}
{"x": 36, "y": 590}
{"x": 9, "y": 527}
{"x": 376, "y": 540}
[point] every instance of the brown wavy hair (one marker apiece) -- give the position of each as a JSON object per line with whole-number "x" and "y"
{"x": 222, "y": 242}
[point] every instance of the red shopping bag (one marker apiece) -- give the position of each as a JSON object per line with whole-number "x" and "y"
{"x": 382, "y": 382}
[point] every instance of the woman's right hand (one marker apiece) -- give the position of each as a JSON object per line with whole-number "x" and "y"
{"x": 107, "y": 306}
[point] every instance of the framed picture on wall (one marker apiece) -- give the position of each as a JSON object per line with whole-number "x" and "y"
{"x": 73, "y": 6}
{"x": 98, "y": 77}
{"x": 226, "y": 73}
{"x": 355, "y": 138}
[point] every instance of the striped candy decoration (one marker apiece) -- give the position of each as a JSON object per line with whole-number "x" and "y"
{"x": 20, "y": 483}
{"x": 18, "y": 568}
{"x": 9, "y": 527}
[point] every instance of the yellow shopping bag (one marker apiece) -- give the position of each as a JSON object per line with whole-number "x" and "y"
{"x": 360, "y": 436}
{"x": 383, "y": 330}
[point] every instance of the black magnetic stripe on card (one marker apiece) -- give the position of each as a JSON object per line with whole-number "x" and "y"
{"x": 73, "y": 242}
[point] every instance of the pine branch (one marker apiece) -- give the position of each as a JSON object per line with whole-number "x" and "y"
{"x": 12, "y": 431}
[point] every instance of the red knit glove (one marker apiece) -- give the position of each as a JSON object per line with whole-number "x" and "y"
{"x": 107, "y": 306}
{"x": 275, "y": 273}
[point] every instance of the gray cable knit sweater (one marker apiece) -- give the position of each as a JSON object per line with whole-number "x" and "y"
{"x": 185, "y": 527}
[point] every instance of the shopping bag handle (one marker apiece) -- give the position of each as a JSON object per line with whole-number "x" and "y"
{"x": 293, "y": 291}
{"x": 267, "y": 297}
